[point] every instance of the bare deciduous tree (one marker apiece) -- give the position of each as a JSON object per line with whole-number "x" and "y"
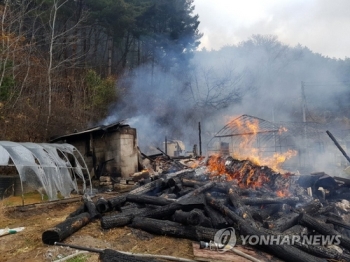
{"x": 58, "y": 44}
{"x": 217, "y": 88}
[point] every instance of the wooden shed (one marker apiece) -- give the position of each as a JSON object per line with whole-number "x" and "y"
{"x": 107, "y": 149}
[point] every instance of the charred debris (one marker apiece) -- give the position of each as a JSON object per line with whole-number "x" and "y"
{"x": 194, "y": 198}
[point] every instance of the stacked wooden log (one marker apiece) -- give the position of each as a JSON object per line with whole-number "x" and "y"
{"x": 194, "y": 204}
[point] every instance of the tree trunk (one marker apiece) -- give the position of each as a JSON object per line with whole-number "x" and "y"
{"x": 110, "y": 48}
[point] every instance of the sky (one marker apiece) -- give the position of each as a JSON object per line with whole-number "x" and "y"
{"x": 320, "y": 25}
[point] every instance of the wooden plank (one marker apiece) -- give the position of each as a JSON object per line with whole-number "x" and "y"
{"x": 48, "y": 204}
{"x": 346, "y": 181}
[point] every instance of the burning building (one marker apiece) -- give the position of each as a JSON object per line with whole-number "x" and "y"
{"x": 290, "y": 146}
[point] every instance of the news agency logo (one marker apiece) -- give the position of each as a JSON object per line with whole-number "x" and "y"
{"x": 225, "y": 239}
{"x": 314, "y": 240}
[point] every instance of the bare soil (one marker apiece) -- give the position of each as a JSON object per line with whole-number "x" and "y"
{"x": 27, "y": 245}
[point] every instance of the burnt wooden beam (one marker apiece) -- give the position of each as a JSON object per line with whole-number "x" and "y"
{"x": 108, "y": 222}
{"x": 161, "y": 182}
{"x": 184, "y": 191}
{"x": 192, "y": 218}
{"x": 221, "y": 187}
{"x": 261, "y": 214}
{"x": 338, "y": 223}
{"x": 296, "y": 230}
{"x": 324, "y": 210}
{"x": 129, "y": 207}
{"x": 283, "y": 223}
{"x": 170, "y": 196}
{"x": 323, "y": 228}
{"x": 265, "y": 201}
{"x": 81, "y": 209}
{"x": 346, "y": 181}
{"x": 91, "y": 207}
{"x": 173, "y": 181}
{"x": 117, "y": 202}
{"x": 240, "y": 208}
{"x": 322, "y": 252}
{"x": 144, "y": 189}
{"x": 197, "y": 191}
{"x": 311, "y": 207}
{"x": 122, "y": 219}
{"x": 178, "y": 188}
{"x": 169, "y": 228}
{"x": 286, "y": 252}
{"x": 205, "y": 221}
{"x": 65, "y": 229}
{"x": 162, "y": 211}
{"x": 216, "y": 218}
{"x": 256, "y": 193}
{"x": 102, "y": 205}
{"x": 144, "y": 199}
{"x": 192, "y": 183}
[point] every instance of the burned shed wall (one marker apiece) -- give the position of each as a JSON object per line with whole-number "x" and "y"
{"x": 107, "y": 149}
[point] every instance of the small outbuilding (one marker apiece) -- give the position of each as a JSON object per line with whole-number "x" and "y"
{"x": 107, "y": 149}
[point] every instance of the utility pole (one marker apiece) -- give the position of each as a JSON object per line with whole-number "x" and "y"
{"x": 200, "y": 138}
{"x": 303, "y": 100}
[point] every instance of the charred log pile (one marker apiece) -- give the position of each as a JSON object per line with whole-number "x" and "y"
{"x": 254, "y": 200}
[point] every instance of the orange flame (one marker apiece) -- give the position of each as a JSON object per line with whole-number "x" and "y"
{"x": 248, "y": 150}
{"x": 281, "y": 193}
{"x": 215, "y": 165}
{"x": 282, "y": 129}
{"x": 248, "y": 175}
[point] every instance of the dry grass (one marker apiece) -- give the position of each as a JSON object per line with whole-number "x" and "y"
{"x": 2, "y": 210}
{"x": 27, "y": 245}
{"x": 29, "y": 198}
{"x": 3, "y": 214}
{"x": 10, "y": 218}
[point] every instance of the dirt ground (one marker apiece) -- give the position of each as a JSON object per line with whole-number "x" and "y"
{"x": 27, "y": 245}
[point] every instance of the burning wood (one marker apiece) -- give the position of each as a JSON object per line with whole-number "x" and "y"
{"x": 226, "y": 192}
{"x": 250, "y": 175}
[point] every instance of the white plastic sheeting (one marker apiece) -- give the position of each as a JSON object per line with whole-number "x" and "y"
{"x": 47, "y": 168}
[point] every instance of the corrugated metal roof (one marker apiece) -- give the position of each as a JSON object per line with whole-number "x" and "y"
{"x": 90, "y": 130}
